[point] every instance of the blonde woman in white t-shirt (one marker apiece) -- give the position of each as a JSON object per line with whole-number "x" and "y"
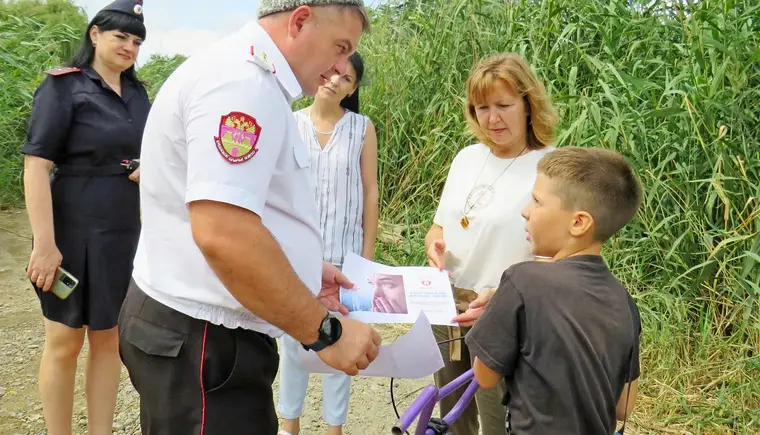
{"x": 477, "y": 231}
{"x": 343, "y": 152}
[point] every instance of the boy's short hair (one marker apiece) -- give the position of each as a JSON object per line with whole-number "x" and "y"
{"x": 598, "y": 181}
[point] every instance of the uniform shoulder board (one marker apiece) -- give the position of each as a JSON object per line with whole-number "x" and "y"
{"x": 261, "y": 59}
{"x": 61, "y": 70}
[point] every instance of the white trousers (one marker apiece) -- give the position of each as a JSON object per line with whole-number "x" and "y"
{"x": 294, "y": 382}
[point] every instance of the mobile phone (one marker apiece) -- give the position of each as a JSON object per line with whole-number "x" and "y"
{"x": 64, "y": 283}
{"x": 131, "y": 165}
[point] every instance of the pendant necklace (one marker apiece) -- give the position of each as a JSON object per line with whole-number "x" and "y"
{"x": 482, "y": 189}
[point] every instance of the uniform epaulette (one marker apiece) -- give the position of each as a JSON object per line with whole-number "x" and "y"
{"x": 261, "y": 59}
{"x": 61, "y": 70}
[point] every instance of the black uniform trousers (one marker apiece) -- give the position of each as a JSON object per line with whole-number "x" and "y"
{"x": 194, "y": 377}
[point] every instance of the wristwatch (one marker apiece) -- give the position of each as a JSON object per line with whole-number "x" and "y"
{"x": 329, "y": 333}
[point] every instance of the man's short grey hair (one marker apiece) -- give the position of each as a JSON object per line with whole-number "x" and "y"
{"x": 269, "y": 7}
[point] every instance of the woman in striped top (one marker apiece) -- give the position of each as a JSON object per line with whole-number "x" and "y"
{"x": 343, "y": 148}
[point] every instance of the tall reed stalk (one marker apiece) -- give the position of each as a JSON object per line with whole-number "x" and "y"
{"x": 673, "y": 85}
{"x": 674, "y": 88}
{"x": 34, "y": 36}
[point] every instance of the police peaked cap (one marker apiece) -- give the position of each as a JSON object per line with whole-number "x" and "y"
{"x": 129, "y": 7}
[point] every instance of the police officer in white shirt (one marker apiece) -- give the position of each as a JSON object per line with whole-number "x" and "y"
{"x": 229, "y": 255}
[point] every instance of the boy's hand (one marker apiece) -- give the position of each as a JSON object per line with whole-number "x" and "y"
{"x": 475, "y": 309}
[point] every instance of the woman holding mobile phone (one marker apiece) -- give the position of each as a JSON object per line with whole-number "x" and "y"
{"x": 87, "y": 122}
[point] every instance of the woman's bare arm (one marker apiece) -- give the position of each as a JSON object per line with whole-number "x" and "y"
{"x": 45, "y": 257}
{"x": 370, "y": 215}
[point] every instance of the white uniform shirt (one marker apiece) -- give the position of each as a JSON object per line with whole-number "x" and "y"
{"x": 478, "y": 255}
{"x": 222, "y": 129}
{"x": 338, "y": 188}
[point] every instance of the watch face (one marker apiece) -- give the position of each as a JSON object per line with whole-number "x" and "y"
{"x": 327, "y": 326}
{"x": 332, "y": 329}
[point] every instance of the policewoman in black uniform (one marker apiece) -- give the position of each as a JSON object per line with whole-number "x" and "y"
{"x": 86, "y": 125}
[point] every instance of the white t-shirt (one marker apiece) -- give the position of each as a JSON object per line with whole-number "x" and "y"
{"x": 478, "y": 255}
{"x": 222, "y": 129}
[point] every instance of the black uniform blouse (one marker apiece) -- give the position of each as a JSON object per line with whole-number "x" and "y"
{"x": 85, "y": 128}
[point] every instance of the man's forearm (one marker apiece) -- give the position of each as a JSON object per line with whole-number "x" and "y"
{"x": 252, "y": 266}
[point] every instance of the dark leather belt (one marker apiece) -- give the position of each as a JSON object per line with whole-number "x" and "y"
{"x": 91, "y": 171}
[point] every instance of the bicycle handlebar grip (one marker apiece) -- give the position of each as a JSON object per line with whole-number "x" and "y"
{"x": 439, "y": 427}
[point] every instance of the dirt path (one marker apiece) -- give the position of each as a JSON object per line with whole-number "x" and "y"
{"x": 21, "y": 340}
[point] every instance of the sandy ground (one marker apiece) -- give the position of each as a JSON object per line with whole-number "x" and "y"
{"x": 21, "y": 340}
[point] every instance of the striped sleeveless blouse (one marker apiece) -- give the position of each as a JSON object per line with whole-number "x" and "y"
{"x": 337, "y": 183}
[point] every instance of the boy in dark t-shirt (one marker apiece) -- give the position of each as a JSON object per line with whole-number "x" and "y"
{"x": 564, "y": 333}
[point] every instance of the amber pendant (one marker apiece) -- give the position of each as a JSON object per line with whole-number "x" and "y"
{"x": 465, "y": 222}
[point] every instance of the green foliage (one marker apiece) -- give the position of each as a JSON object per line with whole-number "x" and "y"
{"x": 675, "y": 89}
{"x": 34, "y": 36}
{"x": 675, "y": 86}
{"x": 157, "y": 69}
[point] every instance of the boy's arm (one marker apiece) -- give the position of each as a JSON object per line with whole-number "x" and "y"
{"x": 627, "y": 400}
{"x": 475, "y": 310}
{"x": 486, "y": 377}
{"x": 621, "y": 412}
{"x": 494, "y": 339}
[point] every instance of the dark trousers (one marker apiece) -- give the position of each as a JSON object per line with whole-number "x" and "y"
{"x": 488, "y": 404}
{"x": 194, "y": 377}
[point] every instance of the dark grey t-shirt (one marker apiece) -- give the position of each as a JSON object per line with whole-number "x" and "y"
{"x": 562, "y": 334}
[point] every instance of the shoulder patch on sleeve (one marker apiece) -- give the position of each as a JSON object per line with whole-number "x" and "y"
{"x": 61, "y": 70}
{"x": 238, "y": 135}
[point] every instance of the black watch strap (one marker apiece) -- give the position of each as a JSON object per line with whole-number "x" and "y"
{"x": 329, "y": 333}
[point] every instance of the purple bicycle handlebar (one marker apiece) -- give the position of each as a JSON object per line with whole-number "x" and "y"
{"x": 426, "y": 401}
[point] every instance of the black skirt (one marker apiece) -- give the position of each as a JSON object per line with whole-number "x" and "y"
{"x": 97, "y": 227}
